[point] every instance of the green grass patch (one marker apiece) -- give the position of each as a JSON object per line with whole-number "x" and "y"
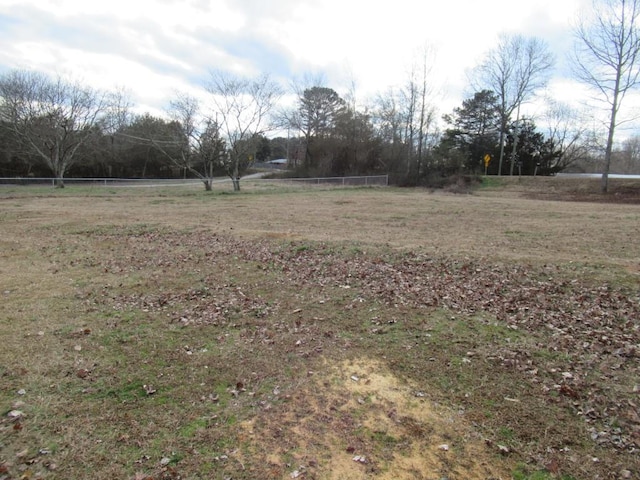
{"x": 522, "y": 473}
{"x": 180, "y": 330}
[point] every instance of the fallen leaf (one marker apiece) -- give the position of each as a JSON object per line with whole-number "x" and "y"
{"x": 149, "y": 390}
{"x": 553, "y": 466}
{"x": 22, "y": 453}
{"x": 27, "y": 475}
{"x": 15, "y": 415}
{"x": 142, "y": 476}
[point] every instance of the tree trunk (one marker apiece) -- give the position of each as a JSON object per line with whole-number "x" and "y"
{"x": 58, "y": 167}
{"x": 208, "y": 185}
{"x": 307, "y": 153}
{"x": 604, "y": 183}
{"x": 235, "y": 178}
{"x": 501, "y": 151}
{"x": 516, "y": 134}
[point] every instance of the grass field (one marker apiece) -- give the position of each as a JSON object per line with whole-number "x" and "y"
{"x": 320, "y": 333}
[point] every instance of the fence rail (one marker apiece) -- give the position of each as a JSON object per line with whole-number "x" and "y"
{"x": 99, "y": 182}
{"x": 369, "y": 180}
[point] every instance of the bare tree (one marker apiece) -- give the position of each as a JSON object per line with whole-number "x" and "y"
{"x": 241, "y": 107}
{"x": 426, "y": 111}
{"x": 183, "y": 112}
{"x": 201, "y": 149}
{"x": 119, "y": 114}
{"x": 189, "y": 141}
{"x": 630, "y": 155}
{"x": 388, "y": 121}
{"x": 514, "y": 70}
{"x": 418, "y": 113}
{"x": 607, "y": 59}
{"x": 567, "y": 130}
{"x": 404, "y": 119}
{"x": 52, "y": 118}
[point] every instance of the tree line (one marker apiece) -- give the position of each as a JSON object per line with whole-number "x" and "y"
{"x": 58, "y": 127}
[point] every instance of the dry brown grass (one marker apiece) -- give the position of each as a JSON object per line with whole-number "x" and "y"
{"x": 220, "y": 332}
{"x": 493, "y": 223}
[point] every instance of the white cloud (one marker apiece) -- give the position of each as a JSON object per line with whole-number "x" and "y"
{"x": 154, "y": 47}
{"x": 170, "y": 13}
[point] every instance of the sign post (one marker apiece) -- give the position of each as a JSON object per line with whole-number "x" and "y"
{"x": 487, "y": 161}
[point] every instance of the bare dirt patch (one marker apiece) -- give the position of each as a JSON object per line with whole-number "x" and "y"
{"x": 357, "y": 420}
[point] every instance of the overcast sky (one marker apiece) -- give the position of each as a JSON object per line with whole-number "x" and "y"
{"x": 155, "y": 47}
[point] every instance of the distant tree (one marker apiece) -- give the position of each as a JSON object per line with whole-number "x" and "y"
{"x": 607, "y": 59}
{"x": 52, "y": 118}
{"x": 188, "y": 142}
{"x": 136, "y": 151}
{"x": 263, "y": 149}
{"x": 514, "y": 70}
{"x": 183, "y": 137}
{"x": 319, "y": 109}
{"x": 629, "y": 156}
{"x": 94, "y": 158}
{"x": 241, "y": 107}
{"x": 278, "y": 147}
{"x": 200, "y": 148}
{"x": 475, "y": 129}
{"x": 97, "y": 157}
{"x": 314, "y": 118}
{"x": 388, "y": 122}
{"x": 404, "y": 122}
{"x": 535, "y": 154}
{"x": 211, "y": 152}
{"x": 566, "y": 129}
{"x": 14, "y": 161}
{"x": 356, "y": 146}
{"x": 420, "y": 114}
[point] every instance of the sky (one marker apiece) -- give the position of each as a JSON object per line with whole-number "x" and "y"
{"x": 155, "y": 48}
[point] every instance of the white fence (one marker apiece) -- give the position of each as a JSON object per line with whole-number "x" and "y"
{"x": 100, "y": 182}
{"x": 370, "y": 180}
{"x": 367, "y": 180}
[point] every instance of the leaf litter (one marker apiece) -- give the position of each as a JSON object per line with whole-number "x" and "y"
{"x": 592, "y": 332}
{"x": 589, "y": 332}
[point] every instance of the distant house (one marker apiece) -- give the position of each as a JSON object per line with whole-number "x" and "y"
{"x": 278, "y": 161}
